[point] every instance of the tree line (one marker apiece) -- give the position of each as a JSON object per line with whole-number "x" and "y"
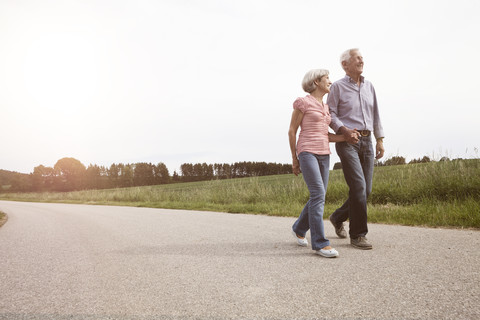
{"x": 69, "y": 174}
{"x": 203, "y": 171}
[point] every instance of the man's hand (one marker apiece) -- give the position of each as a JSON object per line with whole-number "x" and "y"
{"x": 380, "y": 150}
{"x": 351, "y": 136}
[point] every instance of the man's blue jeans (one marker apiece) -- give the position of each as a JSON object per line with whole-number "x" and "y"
{"x": 315, "y": 170}
{"x": 357, "y": 164}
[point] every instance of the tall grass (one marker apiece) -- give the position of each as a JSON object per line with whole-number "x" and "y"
{"x": 3, "y": 218}
{"x": 442, "y": 181}
{"x": 431, "y": 194}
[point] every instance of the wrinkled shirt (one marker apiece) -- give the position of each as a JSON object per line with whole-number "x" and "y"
{"x": 313, "y": 135}
{"x": 354, "y": 107}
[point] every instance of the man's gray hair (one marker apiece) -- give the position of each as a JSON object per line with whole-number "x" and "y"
{"x": 310, "y": 77}
{"x": 346, "y": 55}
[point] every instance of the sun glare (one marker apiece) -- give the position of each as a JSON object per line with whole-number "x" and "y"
{"x": 60, "y": 70}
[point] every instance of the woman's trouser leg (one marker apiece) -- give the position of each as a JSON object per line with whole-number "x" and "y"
{"x": 315, "y": 171}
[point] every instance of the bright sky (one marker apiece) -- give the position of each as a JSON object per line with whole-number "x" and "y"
{"x": 125, "y": 81}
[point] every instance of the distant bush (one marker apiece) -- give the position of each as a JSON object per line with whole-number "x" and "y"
{"x": 425, "y": 159}
{"x": 393, "y": 161}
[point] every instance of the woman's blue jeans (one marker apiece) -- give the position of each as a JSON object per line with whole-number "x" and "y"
{"x": 315, "y": 170}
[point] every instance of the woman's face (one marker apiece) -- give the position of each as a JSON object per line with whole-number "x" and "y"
{"x": 324, "y": 84}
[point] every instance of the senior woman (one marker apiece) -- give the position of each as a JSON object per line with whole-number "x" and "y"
{"x": 311, "y": 154}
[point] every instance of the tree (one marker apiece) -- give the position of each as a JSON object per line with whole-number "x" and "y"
{"x": 161, "y": 174}
{"x": 113, "y": 175}
{"x": 143, "y": 174}
{"x": 43, "y": 178}
{"x": 71, "y": 173}
{"x": 187, "y": 171}
{"x": 21, "y": 183}
{"x": 96, "y": 177}
{"x": 207, "y": 171}
{"x": 175, "y": 176}
{"x": 126, "y": 175}
{"x": 197, "y": 172}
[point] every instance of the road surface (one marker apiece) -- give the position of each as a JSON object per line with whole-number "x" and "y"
{"x": 60, "y": 261}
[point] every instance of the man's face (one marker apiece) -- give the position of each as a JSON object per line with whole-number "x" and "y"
{"x": 354, "y": 66}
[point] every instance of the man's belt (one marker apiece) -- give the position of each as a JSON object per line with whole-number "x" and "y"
{"x": 364, "y": 133}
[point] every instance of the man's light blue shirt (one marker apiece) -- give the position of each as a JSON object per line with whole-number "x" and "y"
{"x": 354, "y": 107}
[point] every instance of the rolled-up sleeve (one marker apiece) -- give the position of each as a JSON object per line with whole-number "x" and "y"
{"x": 377, "y": 123}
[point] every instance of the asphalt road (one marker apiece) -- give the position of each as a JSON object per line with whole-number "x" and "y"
{"x": 61, "y": 261}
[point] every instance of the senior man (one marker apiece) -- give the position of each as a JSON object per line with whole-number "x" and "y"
{"x": 353, "y": 106}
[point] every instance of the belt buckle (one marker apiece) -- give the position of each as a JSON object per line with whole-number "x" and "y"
{"x": 364, "y": 133}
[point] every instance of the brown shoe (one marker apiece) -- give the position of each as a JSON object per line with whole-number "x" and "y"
{"x": 339, "y": 229}
{"x": 360, "y": 243}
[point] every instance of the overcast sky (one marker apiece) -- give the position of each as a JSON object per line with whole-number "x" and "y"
{"x": 214, "y": 80}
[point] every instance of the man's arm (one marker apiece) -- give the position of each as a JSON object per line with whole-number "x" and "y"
{"x": 332, "y": 101}
{"x": 378, "y": 128}
{"x": 336, "y": 124}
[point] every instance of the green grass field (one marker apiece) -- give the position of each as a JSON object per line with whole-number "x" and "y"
{"x": 436, "y": 194}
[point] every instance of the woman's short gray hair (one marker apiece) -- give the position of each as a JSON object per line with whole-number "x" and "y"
{"x": 308, "y": 83}
{"x": 346, "y": 55}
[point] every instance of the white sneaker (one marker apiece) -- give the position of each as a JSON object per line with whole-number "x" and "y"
{"x": 331, "y": 253}
{"x": 301, "y": 242}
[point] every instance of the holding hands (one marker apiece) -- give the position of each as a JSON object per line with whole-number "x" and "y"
{"x": 351, "y": 136}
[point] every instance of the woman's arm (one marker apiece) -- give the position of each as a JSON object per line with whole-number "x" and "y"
{"x": 297, "y": 117}
{"x": 335, "y": 137}
{"x": 340, "y": 137}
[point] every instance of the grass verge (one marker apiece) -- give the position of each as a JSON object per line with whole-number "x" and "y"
{"x": 439, "y": 194}
{"x": 3, "y": 218}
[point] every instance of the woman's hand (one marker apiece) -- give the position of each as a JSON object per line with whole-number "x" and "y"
{"x": 295, "y": 166}
{"x": 297, "y": 117}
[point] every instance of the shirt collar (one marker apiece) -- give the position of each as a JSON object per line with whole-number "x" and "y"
{"x": 347, "y": 78}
